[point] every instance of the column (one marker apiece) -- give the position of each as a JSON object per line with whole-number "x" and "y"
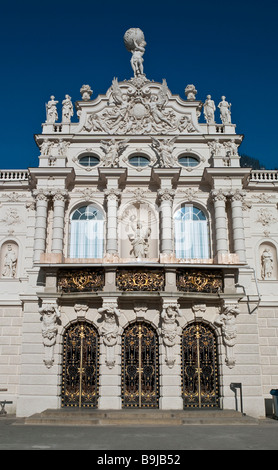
{"x": 112, "y": 227}
{"x": 166, "y": 201}
{"x": 221, "y": 232}
{"x": 238, "y": 227}
{"x": 41, "y": 223}
{"x": 59, "y": 199}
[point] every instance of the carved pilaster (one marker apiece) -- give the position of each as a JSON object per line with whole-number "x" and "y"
{"x": 110, "y": 330}
{"x": 170, "y": 330}
{"x": 50, "y": 314}
{"x": 112, "y": 196}
{"x": 166, "y": 200}
{"x": 226, "y": 320}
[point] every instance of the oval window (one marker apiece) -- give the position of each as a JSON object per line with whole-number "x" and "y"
{"x": 89, "y": 160}
{"x": 139, "y": 160}
{"x": 188, "y": 161}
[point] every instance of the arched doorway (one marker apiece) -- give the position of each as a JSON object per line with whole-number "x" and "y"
{"x": 140, "y": 366}
{"x": 80, "y": 366}
{"x": 200, "y": 386}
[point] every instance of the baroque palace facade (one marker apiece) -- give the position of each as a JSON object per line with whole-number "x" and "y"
{"x": 138, "y": 262}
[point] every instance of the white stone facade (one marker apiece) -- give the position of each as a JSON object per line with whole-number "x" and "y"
{"x": 136, "y": 156}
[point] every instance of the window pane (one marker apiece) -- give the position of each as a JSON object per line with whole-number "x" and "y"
{"x": 139, "y": 160}
{"x": 87, "y": 235}
{"x": 188, "y": 161}
{"x": 89, "y": 160}
{"x": 191, "y": 233}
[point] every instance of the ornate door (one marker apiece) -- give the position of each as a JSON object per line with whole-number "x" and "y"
{"x": 80, "y": 366}
{"x": 140, "y": 380}
{"x": 199, "y": 367}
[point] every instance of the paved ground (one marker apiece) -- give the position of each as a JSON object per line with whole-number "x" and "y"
{"x": 16, "y": 436}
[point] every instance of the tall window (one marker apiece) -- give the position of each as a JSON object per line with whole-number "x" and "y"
{"x": 191, "y": 233}
{"x": 86, "y": 233}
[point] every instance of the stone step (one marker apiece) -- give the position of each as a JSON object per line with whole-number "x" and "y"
{"x": 139, "y": 417}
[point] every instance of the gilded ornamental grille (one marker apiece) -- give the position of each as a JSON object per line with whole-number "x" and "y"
{"x": 140, "y": 280}
{"x": 209, "y": 282}
{"x": 81, "y": 280}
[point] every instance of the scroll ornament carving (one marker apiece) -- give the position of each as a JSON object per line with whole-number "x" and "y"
{"x": 227, "y": 321}
{"x": 138, "y": 110}
{"x": 265, "y": 217}
{"x": 166, "y": 194}
{"x": 169, "y": 330}
{"x": 110, "y": 330}
{"x": 50, "y": 314}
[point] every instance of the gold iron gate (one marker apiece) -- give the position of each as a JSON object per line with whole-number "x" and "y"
{"x": 80, "y": 366}
{"x": 140, "y": 387}
{"x": 199, "y": 367}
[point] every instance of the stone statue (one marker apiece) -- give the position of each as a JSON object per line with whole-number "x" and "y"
{"x": 139, "y": 239}
{"x": 51, "y": 110}
{"x": 50, "y": 314}
{"x": 67, "y": 111}
{"x": 113, "y": 150}
{"x": 267, "y": 264}
{"x": 10, "y": 262}
{"x": 225, "y": 112}
{"x": 227, "y": 321}
{"x": 110, "y": 330}
{"x": 165, "y": 149}
{"x": 209, "y": 110}
{"x": 46, "y": 147}
{"x": 135, "y": 43}
{"x": 169, "y": 330}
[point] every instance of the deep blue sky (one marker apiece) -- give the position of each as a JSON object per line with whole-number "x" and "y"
{"x": 54, "y": 47}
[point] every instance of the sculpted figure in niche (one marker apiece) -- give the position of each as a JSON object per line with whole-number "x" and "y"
{"x": 51, "y": 110}
{"x": 209, "y": 110}
{"x": 10, "y": 262}
{"x": 165, "y": 151}
{"x": 139, "y": 239}
{"x": 225, "y": 112}
{"x": 267, "y": 264}
{"x": 67, "y": 111}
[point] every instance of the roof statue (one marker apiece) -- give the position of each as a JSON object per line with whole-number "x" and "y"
{"x": 135, "y": 43}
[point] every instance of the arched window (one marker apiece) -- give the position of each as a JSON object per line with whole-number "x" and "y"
{"x": 191, "y": 233}
{"x": 86, "y": 233}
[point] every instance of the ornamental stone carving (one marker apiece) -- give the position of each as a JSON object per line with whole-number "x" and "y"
{"x": 190, "y": 92}
{"x": 110, "y": 330}
{"x": 164, "y": 150}
{"x": 112, "y": 150}
{"x": 166, "y": 194}
{"x": 227, "y": 322}
{"x": 86, "y": 92}
{"x": 50, "y": 315}
{"x": 170, "y": 330}
{"x": 135, "y": 107}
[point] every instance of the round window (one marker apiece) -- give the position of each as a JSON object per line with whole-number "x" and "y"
{"x": 139, "y": 160}
{"x": 89, "y": 160}
{"x": 188, "y": 161}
